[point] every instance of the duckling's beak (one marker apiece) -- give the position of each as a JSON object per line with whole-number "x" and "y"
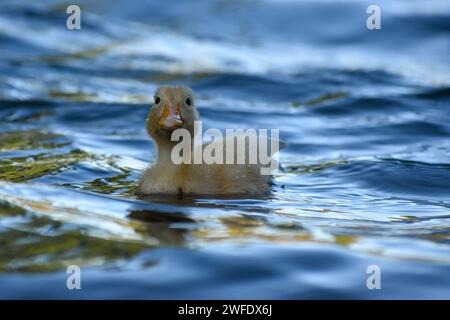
{"x": 170, "y": 118}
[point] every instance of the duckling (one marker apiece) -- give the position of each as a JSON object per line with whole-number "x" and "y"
{"x": 174, "y": 108}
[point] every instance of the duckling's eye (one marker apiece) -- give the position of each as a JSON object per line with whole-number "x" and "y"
{"x": 188, "y": 101}
{"x": 157, "y": 100}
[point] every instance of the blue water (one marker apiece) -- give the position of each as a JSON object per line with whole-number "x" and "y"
{"x": 364, "y": 179}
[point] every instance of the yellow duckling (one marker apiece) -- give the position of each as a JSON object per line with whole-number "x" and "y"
{"x": 174, "y": 108}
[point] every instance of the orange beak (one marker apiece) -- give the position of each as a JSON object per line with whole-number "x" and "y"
{"x": 170, "y": 117}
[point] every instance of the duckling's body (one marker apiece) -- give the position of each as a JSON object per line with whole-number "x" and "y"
{"x": 174, "y": 109}
{"x": 204, "y": 179}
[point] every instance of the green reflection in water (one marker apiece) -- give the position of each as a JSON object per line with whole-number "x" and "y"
{"x": 19, "y": 168}
{"x": 298, "y": 168}
{"x": 31, "y": 139}
{"x": 31, "y": 167}
{"x": 321, "y": 99}
{"x": 118, "y": 185}
{"x": 39, "y": 244}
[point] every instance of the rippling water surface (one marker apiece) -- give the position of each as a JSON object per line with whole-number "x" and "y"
{"x": 365, "y": 176}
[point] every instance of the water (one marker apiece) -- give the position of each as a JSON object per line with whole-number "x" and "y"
{"x": 365, "y": 176}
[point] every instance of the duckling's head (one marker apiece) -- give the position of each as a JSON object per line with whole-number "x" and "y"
{"x": 173, "y": 108}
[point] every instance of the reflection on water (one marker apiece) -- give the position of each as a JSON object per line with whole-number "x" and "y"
{"x": 364, "y": 178}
